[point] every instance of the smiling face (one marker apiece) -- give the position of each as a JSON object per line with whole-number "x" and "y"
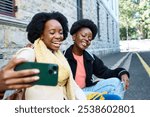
{"x": 82, "y": 39}
{"x": 52, "y": 35}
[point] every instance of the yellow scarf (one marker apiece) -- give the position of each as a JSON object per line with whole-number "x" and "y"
{"x": 65, "y": 78}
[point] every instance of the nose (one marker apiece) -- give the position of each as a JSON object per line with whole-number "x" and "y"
{"x": 58, "y": 36}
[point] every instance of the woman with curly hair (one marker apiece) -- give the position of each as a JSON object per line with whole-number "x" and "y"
{"x": 84, "y": 65}
{"x": 47, "y": 31}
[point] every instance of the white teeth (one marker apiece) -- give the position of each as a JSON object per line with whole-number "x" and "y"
{"x": 57, "y": 43}
{"x": 84, "y": 44}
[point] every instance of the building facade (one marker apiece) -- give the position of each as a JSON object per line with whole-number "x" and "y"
{"x": 16, "y": 14}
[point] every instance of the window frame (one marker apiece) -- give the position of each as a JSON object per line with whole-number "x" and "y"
{"x": 107, "y": 18}
{"x": 98, "y": 20}
{"x": 11, "y": 7}
{"x": 79, "y": 10}
{"x": 113, "y": 32}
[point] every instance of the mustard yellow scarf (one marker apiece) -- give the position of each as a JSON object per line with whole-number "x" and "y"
{"x": 65, "y": 78}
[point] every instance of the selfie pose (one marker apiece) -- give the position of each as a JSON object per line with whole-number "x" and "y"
{"x": 47, "y": 31}
{"x": 10, "y": 79}
{"x": 84, "y": 64}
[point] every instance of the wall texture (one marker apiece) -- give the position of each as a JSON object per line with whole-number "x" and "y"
{"x": 13, "y": 29}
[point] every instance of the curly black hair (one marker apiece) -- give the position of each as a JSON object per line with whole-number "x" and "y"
{"x": 84, "y": 23}
{"x": 36, "y": 26}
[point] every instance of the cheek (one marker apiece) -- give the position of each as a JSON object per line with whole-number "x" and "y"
{"x": 61, "y": 37}
{"x": 47, "y": 41}
{"x": 89, "y": 43}
{"x": 50, "y": 37}
{"x": 78, "y": 39}
{"x": 47, "y": 44}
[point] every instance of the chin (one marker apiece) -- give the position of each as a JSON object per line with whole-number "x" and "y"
{"x": 83, "y": 48}
{"x": 55, "y": 49}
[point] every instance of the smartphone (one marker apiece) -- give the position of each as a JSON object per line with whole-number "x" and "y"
{"x": 48, "y": 72}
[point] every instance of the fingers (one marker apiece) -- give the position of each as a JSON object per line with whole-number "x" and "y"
{"x": 126, "y": 82}
{"x": 24, "y": 81}
{"x": 127, "y": 85}
{"x": 125, "y": 79}
{"x": 18, "y": 83}
{"x": 20, "y": 74}
{"x": 13, "y": 62}
{"x": 23, "y": 73}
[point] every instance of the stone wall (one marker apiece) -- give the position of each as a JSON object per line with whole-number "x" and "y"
{"x": 13, "y": 29}
{"x": 102, "y": 45}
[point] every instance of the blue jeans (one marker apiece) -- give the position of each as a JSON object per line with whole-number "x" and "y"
{"x": 113, "y": 86}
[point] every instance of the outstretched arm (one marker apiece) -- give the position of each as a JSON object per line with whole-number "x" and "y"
{"x": 10, "y": 79}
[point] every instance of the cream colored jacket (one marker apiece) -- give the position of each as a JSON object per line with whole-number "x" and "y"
{"x": 38, "y": 92}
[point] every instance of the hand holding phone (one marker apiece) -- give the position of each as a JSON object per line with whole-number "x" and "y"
{"x": 48, "y": 72}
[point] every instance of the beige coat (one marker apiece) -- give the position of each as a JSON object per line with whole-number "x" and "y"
{"x": 38, "y": 92}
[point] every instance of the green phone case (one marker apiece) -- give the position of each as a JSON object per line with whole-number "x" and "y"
{"x": 48, "y": 72}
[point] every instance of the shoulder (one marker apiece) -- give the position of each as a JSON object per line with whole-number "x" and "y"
{"x": 96, "y": 60}
{"x": 26, "y": 53}
{"x": 68, "y": 50}
{"x": 68, "y": 53}
{"x": 89, "y": 55}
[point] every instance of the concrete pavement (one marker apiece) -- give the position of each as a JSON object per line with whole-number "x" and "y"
{"x": 139, "y": 79}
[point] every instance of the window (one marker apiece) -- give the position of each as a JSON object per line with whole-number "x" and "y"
{"x": 107, "y": 17}
{"x": 7, "y": 7}
{"x": 135, "y": 1}
{"x": 98, "y": 19}
{"x": 112, "y": 4}
{"x": 79, "y": 9}
{"x": 113, "y": 31}
{"x": 1, "y": 56}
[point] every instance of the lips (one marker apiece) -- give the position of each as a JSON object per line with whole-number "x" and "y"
{"x": 57, "y": 44}
{"x": 84, "y": 43}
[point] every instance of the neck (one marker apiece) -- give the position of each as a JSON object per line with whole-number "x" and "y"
{"x": 77, "y": 51}
{"x": 52, "y": 50}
